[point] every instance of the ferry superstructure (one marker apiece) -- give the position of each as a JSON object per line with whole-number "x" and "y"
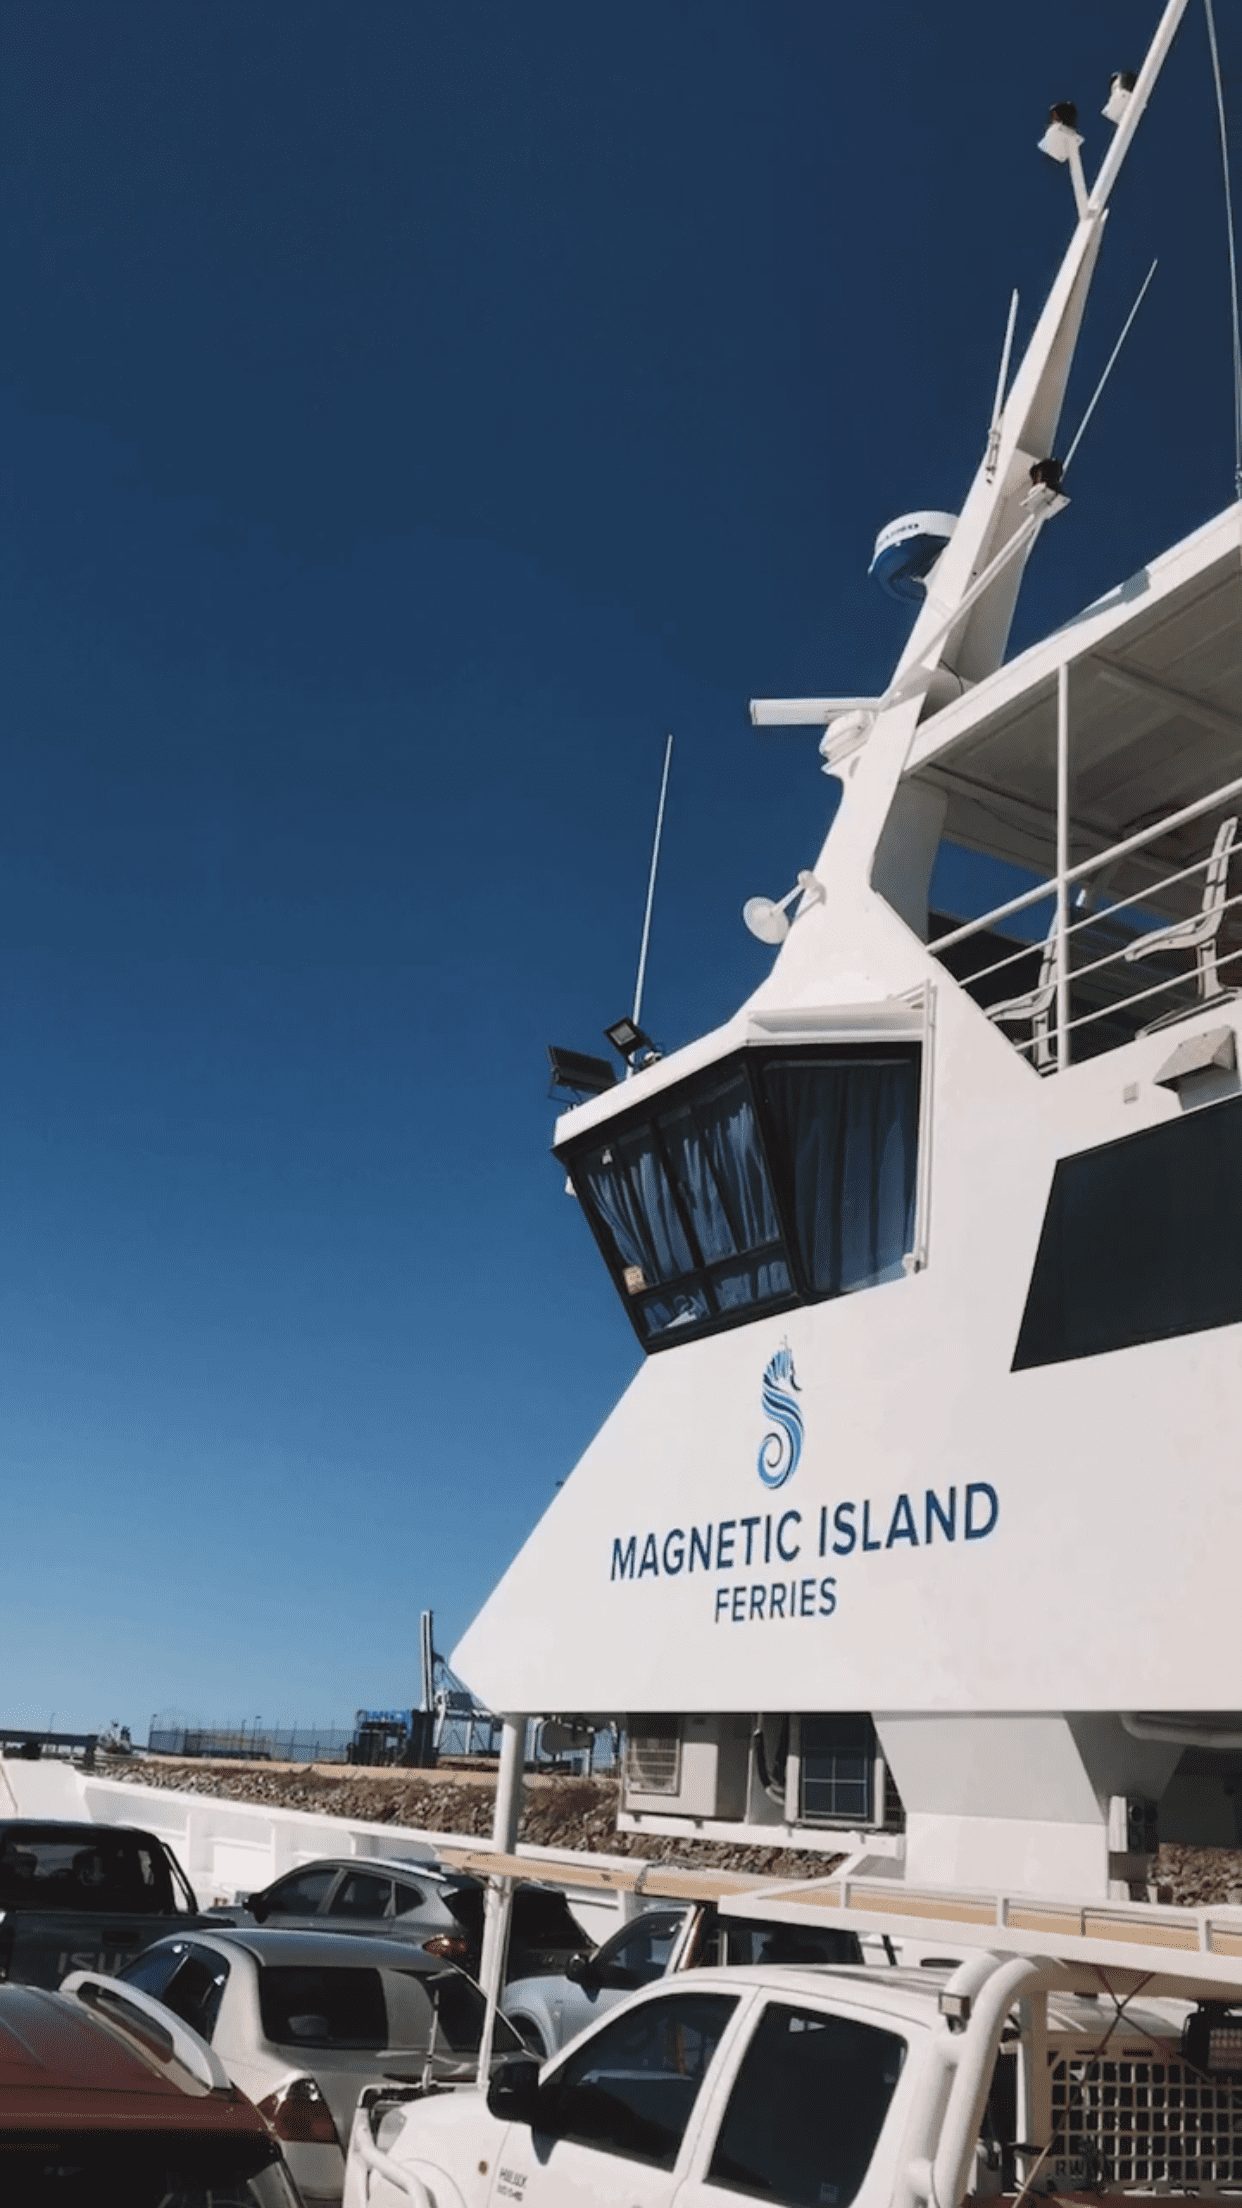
{"x": 927, "y": 1490}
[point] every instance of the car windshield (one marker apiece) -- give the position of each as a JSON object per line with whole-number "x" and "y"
{"x": 82, "y": 2170}
{"x": 82, "y": 1867}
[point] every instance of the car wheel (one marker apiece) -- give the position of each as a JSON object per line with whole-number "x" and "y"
{"x": 531, "y": 2034}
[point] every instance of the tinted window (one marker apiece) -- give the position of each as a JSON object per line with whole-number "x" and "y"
{"x": 152, "y": 1970}
{"x": 1142, "y": 1240}
{"x": 87, "y": 1867}
{"x": 639, "y": 1954}
{"x": 778, "y": 1179}
{"x": 300, "y": 1896}
{"x": 460, "y": 2007}
{"x": 631, "y": 2089}
{"x": 322, "y": 2007}
{"x": 546, "y": 1920}
{"x": 746, "y": 1940}
{"x": 361, "y": 1895}
{"x": 406, "y": 1898}
{"x": 807, "y": 2108}
{"x": 197, "y": 1989}
{"x": 466, "y": 1904}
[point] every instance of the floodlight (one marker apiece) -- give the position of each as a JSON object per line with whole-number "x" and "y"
{"x": 1120, "y": 87}
{"x": 629, "y": 1042}
{"x": 1062, "y": 138}
{"x": 579, "y": 1072}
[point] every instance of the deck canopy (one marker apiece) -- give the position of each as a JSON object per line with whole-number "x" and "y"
{"x": 1134, "y": 712}
{"x": 1155, "y": 718}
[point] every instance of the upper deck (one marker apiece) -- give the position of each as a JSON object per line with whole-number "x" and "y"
{"x": 1101, "y": 775}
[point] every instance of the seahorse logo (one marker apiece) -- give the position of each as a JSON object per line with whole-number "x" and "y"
{"x": 781, "y": 1446}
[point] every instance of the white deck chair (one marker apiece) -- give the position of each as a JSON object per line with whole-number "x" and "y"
{"x": 1199, "y": 935}
{"x": 1036, "y": 1005}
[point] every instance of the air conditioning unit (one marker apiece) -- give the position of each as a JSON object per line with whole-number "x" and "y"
{"x": 686, "y": 1766}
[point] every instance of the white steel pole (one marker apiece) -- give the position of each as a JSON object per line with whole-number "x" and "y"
{"x": 500, "y": 1890}
{"x": 1063, "y": 987}
{"x": 1110, "y": 167}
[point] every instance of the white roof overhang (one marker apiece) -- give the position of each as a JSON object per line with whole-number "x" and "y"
{"x": 1155, "y": 715}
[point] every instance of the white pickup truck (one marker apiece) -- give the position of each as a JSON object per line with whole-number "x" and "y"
{"x": 1012, "y": 2074}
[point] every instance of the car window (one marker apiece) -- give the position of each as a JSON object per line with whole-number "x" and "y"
{"x": 322, "y": 2006}
{"x": 465, "y": 1902}
{"x": 86, "y": 1867}
{"x": 639, "y": 1953}
{"x": 362, "y": 1894}
{"x": 807, "y": 2108}
{"x": 460, "y": 2009}
{"x": 747, "y": 1940}
{"x": 196, "y": 1990}
{"x": 151, "y": 1970}
{"x": 299, "y": 1896}
{"x": 406, "y": 1898}
{"x": 631, "y": 2089}
{"x": 546, "y": 1919}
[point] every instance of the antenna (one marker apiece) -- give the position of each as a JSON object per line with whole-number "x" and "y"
{"x": 651, "y": 882}
{"x": 1109, "y": 366}
{"x": 998, "y": 403}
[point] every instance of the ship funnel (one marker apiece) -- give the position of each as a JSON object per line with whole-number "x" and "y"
{"x": 906, "y": 552}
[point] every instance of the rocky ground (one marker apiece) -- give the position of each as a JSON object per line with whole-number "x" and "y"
{"x": 561, "y": 1813}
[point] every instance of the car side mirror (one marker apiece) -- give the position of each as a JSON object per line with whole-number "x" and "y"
{"x": 513, "y": 2090}
{"x": 580, "y": 1970}
{"x": 258, "y": 1908}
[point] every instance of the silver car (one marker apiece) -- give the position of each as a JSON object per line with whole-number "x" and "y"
{"x": 551, "y": 2010}
{"x": 412, "y": 1898}
{"x": 303, "y": 2020}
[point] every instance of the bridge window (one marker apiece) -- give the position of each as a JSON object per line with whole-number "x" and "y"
{"x": 774, "y": 1179}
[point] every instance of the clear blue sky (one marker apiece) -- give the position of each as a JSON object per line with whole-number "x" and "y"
{"x": 410, "y": 411}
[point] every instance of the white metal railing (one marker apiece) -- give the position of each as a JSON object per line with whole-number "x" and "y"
{"x": 1118, "y": 936}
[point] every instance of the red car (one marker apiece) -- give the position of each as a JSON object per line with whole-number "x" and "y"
{"x": 105, "y": 2097}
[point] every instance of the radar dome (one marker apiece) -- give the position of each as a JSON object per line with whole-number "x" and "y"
{"x": 906, "y": 552}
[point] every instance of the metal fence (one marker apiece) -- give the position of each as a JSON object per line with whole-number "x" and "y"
{"x": 250, "y": 1741}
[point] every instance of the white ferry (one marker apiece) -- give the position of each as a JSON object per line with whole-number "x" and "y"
{"x": 918, "y": 1530}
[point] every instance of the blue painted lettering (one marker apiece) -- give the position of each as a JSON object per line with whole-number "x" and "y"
{"x": 827, "y": 1596}
{"x": 980, "y": 1487}
{"x": 902, "y": 1527}
{"x": 722, "y": 1601}
{"x": 726, "y": 1534}
{"x": 776, "y": 1599}
{"x": 806, "y": 1607}
{"x": 868, "y": 1543}
{"x": 623, "y": 1558}
{"x": 739, "y": 1605}
{"x": 750, "y": 1524}
{"x": 842, "y": 1519}
{"x": 650, "y": 1562}
{"x": 758, "y": 1596}
{"x": 701, "y": 1547}
{"x": 790, "y": 1517}
{"x": 674, "y": 1557}
{"x": 946, "y": 1519}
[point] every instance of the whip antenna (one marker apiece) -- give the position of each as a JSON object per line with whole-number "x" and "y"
{"x": 651, "y": 882}
{"x": 1233, "y": 255}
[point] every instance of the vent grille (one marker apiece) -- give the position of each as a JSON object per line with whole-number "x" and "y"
{"x": 1146, "y": 2123}
{"x": 653, "y": 1762}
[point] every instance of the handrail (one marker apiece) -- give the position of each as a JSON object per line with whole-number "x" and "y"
{"x": 1092, "y": 865}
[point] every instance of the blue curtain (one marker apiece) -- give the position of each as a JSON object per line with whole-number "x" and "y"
{"x": 720, "y": 1173}
{"x": 848, "y": 1145}
{"x": 629, "y": 1188}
